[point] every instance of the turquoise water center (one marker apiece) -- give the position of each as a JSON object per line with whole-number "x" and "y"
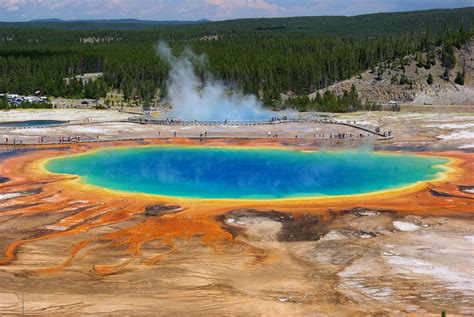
{"x": 253, "y": 173}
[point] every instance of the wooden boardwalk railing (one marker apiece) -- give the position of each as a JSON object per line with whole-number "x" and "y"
{"x": 250, "y": 123}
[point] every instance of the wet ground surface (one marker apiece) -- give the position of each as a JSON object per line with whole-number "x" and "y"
{"x": 357, "y": 261}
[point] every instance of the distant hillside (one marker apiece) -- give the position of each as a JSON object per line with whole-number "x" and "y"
{"x": 368, "y": 24}
{"x": 113, "y": 24}
{"x": 46, "y": 20}
{"x": 117, "y": 21}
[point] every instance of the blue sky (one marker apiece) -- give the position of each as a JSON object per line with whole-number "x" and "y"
{"x": 21, "y": 10}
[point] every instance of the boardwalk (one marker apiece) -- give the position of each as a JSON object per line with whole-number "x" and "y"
{"x": 302, "y": 129}
{"x": 352, "y": 124}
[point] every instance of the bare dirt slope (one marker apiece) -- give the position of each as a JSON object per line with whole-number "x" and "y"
{"x": 441, "y": 92}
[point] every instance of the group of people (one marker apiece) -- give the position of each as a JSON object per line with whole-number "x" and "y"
{"x": 278, "y": 119}
{"x": 348, "y": 136}
{"x": 40, "y": 140}
{"x": 14, "y": 141}
{"x": 172, "y": 121}
{"x": 201, "y": 135}
{"x": 70, "y": 139}
{"x": 334, "y": 136}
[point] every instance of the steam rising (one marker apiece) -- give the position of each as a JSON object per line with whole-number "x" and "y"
{"x": 192, "y": 99}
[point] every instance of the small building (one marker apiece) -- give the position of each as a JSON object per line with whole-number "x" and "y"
{"x": 84, "y": 78}
{"x": 12, "y": 96}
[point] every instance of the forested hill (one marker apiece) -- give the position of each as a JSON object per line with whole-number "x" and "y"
{"x": 364, "y": 25}
{"x": 368, "y": 24}
{"x": 261, "y": 56}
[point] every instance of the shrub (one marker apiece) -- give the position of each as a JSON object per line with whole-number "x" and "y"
{"x": 459, "y": 79}
{"x": 430, "y": 79}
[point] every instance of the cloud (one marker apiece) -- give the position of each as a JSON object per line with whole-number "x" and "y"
{"x": 248, "y": 4}
{"x": 341, "y": 7}
{"x": 236, "y": 8}
{"x": 14, "y": 10}
{"x": 236, "y": 5}
{"x": 13, "y": 5}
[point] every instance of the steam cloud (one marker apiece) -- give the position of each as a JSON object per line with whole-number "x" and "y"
{"x": 191, "y": 99}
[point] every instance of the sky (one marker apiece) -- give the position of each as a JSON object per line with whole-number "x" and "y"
{"x": 24, "y": 10}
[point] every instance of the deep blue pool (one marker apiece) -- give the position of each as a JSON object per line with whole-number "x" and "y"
{"x": 30, "y": 123}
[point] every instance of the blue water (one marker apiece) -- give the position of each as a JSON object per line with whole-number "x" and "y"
{"x": 204, "y": 172}
{"x": 30, "y": 123}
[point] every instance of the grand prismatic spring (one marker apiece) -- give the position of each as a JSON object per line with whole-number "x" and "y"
{"x": 233, "y": 173}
